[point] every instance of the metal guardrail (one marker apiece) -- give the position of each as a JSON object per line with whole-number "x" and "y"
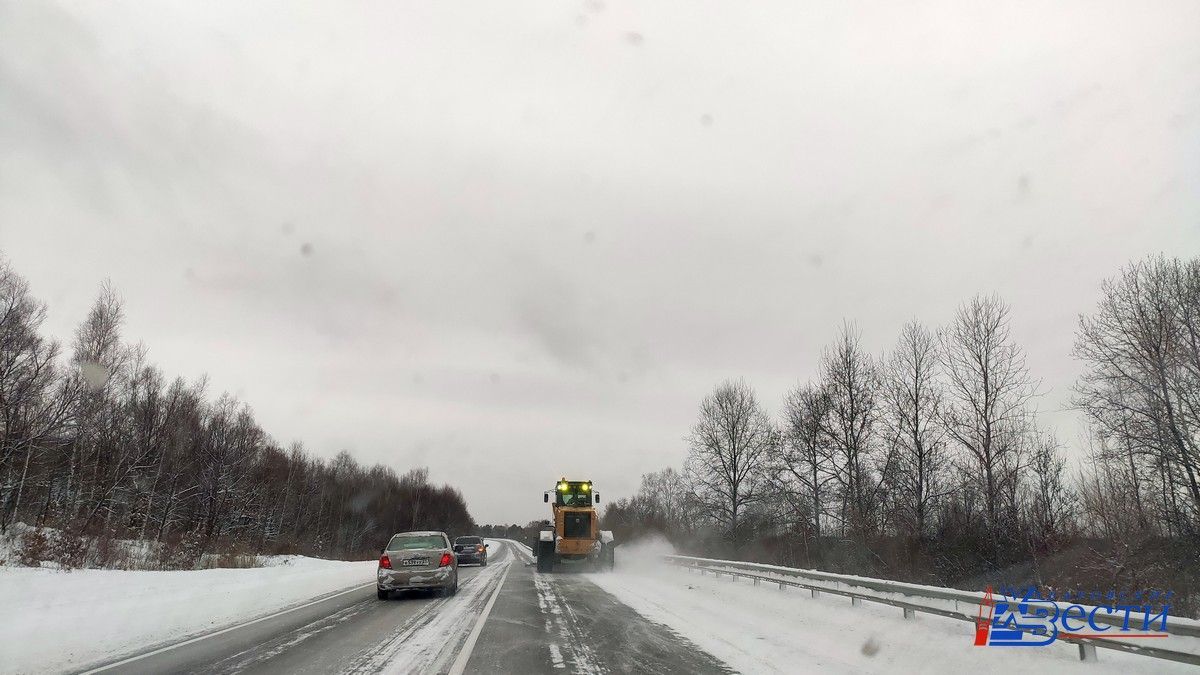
{"x": 914, "y": 598}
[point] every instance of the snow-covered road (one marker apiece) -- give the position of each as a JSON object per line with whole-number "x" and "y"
{"x": 311, "y": 616}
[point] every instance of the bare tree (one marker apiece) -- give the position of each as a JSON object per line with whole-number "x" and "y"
{"x": 912, "y": 396}
{"x": 800, "y": 470}
{"x": 851, "y": 384}
{"x": 988, "y": 390}
{"x": 34, "y": 407}
{"x": 667, "y": 501}
{"x": 730, "y": 445}
{"x": 99, "y": 379}
{"x": 663, "y": 505}
{"x": 1050, "y": 502}
{"x": 102, "y": 448}
{"x": 1141, "y": 387}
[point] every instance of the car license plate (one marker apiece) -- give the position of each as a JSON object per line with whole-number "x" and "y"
{"x": 414, "y": 562}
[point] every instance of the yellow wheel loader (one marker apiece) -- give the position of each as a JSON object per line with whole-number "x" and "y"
{"x": 574, "y": 537}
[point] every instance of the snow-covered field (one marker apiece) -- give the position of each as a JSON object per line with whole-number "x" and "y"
{"x": 759, "y": 629}
{"x": 53, "y": 621}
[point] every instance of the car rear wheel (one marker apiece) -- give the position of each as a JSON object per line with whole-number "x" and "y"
{"x": 382, "y": 594}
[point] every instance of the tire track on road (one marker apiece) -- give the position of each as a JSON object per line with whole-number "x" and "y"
{"x": 561, "y": 620}
{"x": 432, "y": 638}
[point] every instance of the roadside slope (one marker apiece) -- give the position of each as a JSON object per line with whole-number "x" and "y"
{"x": 55, "y": 621}
{"x": 763, "y": 629}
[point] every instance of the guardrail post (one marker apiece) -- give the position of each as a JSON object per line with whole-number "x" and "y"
{"x": 815, "y": 593}
{"x": 782, "y": 586}
{"x": 908, "y": 613}
{"x": 855, "y": 602}
{"x": 1087, "y": 652}
{"x": 755, "y": 581}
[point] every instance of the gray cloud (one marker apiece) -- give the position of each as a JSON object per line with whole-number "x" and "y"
{"x": 511, "y": 245}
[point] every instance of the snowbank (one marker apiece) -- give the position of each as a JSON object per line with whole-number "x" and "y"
{"x": 90, "y": 552}
{"x": 55, "y": 621}
{"x": 762, "y": 629}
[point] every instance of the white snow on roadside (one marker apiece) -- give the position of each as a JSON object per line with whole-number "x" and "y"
{"x": 54, "y": 621}
{"x": 123, "y": 554}
{"x": 521, "y": 548}
{"x": 850, "y": 581}
{"x": 762, "y": 629}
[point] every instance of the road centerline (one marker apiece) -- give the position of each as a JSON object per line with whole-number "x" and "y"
{"x": 464, "y": 653}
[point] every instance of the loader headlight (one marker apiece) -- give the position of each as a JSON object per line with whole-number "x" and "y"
{"x": 586, "y": 487}
{"x": 562, "y": 487}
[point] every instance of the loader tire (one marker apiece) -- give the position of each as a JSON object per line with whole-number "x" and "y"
{"x": 545, "y": 556}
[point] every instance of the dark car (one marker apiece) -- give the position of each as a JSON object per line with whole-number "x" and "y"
{"x": 471, "y": 550}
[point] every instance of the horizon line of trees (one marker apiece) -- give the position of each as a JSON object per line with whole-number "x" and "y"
{"x": 103, "y": 444}
{"x": 928, "y": 461}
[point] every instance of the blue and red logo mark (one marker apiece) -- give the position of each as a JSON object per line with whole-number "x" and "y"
{"x": 1028, "y": 618}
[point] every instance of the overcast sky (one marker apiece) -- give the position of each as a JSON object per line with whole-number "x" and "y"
{"x": 517, "y": 240}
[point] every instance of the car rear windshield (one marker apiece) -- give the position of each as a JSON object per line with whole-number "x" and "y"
{"x": 468, "y": 540}
{"x": 411, "y": 542}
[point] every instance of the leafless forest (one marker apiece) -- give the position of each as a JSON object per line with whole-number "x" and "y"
{"x": 100, "y": 445}
{"x": 928, "y": 463}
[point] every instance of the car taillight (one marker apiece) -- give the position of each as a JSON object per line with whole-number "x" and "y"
{"x": 479, "y": 548}
{"x": 446, "y": 558}
{"x": 385, "y": 562}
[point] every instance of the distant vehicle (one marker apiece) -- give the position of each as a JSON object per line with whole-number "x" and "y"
{"x": 471, "y": 550}
{"x": 417, "y": 560}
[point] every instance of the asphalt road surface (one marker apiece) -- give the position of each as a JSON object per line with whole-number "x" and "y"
{"x": 506, "y": 618}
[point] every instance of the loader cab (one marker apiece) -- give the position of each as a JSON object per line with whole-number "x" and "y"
{"x": 574, "y": 493}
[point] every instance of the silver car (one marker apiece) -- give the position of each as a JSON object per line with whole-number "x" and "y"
{"x": 417, "y": 560}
